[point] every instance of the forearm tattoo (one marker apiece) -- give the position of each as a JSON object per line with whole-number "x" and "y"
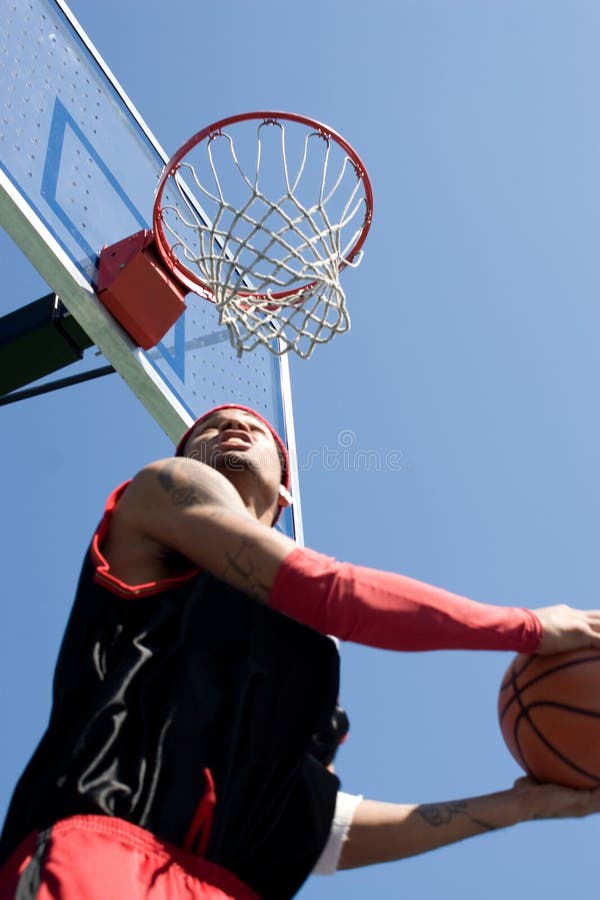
{"x": 242, "y": 564}
{"x": 443, "y": 813}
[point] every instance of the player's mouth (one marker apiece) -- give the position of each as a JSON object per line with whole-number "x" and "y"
{"x": 233, "y": 438}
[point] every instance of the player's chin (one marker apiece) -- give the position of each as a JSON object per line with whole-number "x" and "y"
{"x": 231, "y": 462}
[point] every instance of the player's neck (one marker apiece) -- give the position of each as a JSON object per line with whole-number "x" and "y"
{"x": 255, "y": 496}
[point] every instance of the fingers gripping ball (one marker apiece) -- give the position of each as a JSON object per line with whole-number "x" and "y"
{"x": 549, "y": 710}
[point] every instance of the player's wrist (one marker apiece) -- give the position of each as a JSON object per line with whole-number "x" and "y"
{"x": 507, "y": 808}
{"x": 551, "y": 801}
{"x": 525, "y": 801}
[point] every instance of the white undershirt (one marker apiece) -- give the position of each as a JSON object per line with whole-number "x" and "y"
{"x": 345, "y": 807}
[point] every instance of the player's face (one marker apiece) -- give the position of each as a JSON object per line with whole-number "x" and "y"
{"x": 234, "y": 441}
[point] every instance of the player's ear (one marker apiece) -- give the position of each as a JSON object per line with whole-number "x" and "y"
{"x": 285, "y": 498}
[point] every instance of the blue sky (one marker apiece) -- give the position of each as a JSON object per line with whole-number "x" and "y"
{"x": 470, "y": 377}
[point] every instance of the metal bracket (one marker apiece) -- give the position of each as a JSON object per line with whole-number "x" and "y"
{"x": 137, "y": 290}
{"x": 38, "y": 339}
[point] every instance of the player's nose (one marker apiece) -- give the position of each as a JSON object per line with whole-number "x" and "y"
{"x": 234, "y": 422}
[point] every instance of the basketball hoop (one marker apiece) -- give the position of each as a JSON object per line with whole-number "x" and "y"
{"x": 260, "y": 213}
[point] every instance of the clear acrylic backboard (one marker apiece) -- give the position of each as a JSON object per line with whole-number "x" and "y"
{"x": 78, "y": 171}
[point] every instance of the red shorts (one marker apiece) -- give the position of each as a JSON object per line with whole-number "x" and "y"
{"x": 102, "y": 858}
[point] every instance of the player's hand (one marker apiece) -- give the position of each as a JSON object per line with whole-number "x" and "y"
{"x": 553, "y": 801}
{"x": 564, "y": 628}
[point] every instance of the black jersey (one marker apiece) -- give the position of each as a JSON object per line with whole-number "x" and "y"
{"x": 157, "y": 684}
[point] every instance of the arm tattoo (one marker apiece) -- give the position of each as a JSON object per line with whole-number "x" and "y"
{"x": 181, "y": 495}
{"x": 443, "y": 813}
{"x": 241, "y": 563}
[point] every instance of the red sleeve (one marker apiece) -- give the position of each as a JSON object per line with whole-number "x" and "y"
{"x": 394, "y": 612}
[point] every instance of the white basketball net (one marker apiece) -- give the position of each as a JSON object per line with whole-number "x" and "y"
{"x": 264, "y": 241}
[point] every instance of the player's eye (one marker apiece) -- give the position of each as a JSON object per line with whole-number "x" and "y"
{"x": 205, "y": 429}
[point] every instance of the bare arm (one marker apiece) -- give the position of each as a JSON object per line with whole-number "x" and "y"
{"x": 382, "y": 832}
{"x": 185, "y": 506}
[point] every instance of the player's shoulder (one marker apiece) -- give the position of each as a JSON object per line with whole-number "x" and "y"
{"x": 165, "y": 489}
{"x": 161, "y": 471}
{"x": 162, "y": 479}
{"x": 159, "y": 474}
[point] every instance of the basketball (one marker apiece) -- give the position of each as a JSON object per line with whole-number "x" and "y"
{"x": 549, "y": 711}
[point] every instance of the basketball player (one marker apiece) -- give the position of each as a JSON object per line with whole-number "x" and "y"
{"x": 195, "y": 717}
